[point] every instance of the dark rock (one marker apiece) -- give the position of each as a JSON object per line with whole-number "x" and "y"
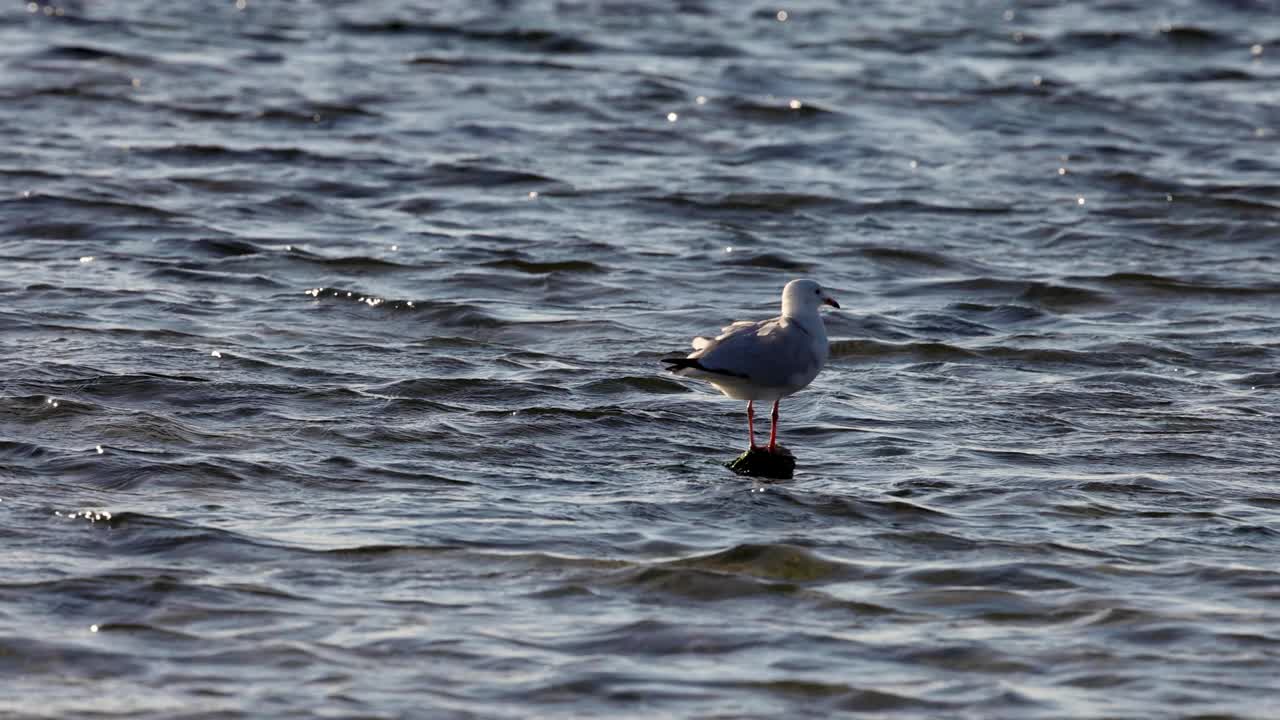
{"x": 759, "y": 462}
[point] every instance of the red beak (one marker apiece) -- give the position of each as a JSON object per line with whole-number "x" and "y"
{"x": 832, "y": 303}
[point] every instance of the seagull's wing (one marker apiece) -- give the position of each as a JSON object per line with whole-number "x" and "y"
{"x": 768, "y": 353}
{"x": 701, "y": 342}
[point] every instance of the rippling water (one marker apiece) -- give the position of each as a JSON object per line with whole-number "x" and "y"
{"x": 329, "y": 382}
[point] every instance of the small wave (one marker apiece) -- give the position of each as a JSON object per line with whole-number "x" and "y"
{"x": 822, "y": 698}
{"x": 89, "y": 54}
{"x": 1014, "y": 457}
{"x": 933, "y": 324}
{"x": 1258, "y": 380}
{"x": 220, "y": 247}
{"x": 153, "y": 536}
{"x": 447, "y": 62}
{"x": 546, "y": 267}
{"x": 475, "y": 174}
{"x": 1183, "y": 37}
{"x": 775, "y": 261}
{"x": 29, "y": 657}
{"x": 1160, "y": 285}
{"x": 310, "y": 114}
{"x": 21, "y": 451}
{"x": 443, "y": 312}
{"x": 1131, "y": 180}
{"x": 152, "y": 386}
{"x": 777, "y": 202}
{"x": 389, "y": 552}
{"x": 1052, "y": 296}
{"x": 770, "y": 562}
{"x": 419, "y": 204}
{"x": 520, "y": 39}
{"x": 57, "y": 230}
{"x": 909, "y": 258}
{"x": 187, "y": 275}
{"x": 970, "y": 657}
{"x": 1016, "y": 576}
{"x": 1002, "y": 314}
{"x": 1132, "y": 486}
{"x": 768, "y": 152}
{"x": 472, "y": 389}
{"x": 782, "y": 110}
{"x": 927, "y": 208}
{"x": 627, "y": 384}
{"x": 194, "y": 154}
{"x": 1136, "y": 380}
{"x": 350, "y": 263}
{"x": 1193, "y": 35}
{"x": 978, "y": 602}
{"x": 652, "y": 638}
{"x": 1198, "y": 75}
{"x": 700, "y": 585}
{"x": 923, "y": 351}
{"x": 45, "y": 206}
{"x": 606, "y": 416}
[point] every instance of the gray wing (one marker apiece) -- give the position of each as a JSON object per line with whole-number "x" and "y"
{"x": 769, "y": 352}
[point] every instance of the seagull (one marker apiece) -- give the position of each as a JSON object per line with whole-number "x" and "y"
{"x": 765, "y": 359}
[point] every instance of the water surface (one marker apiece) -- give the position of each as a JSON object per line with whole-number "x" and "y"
{"x": 329, "y": 381}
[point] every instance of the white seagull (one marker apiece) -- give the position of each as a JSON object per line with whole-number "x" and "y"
{"x": 765, "y": 359}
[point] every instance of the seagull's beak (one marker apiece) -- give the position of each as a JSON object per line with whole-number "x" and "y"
{"x": 831, "y": 302}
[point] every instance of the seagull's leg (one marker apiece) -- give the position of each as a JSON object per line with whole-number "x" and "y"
{"x": 773, "y": 428}
{"x": 751, "y": 425}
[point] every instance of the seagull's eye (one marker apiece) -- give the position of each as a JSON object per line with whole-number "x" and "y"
{"x": 817, "y": 291}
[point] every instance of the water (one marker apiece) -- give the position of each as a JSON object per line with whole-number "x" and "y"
{"x": 329, "y": 381}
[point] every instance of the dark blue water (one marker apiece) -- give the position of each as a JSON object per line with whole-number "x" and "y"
{"x": 329, "y": 338}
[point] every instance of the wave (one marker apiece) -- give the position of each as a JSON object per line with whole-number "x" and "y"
{"x": 518, "y": 39}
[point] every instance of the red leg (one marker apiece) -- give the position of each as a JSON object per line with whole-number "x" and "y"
{"x": 773, "y": 428}
{"x": 751, "y": 424}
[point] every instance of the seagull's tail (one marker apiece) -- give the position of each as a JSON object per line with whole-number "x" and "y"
{"x": 693, "y": 367}
{"x": 675, "y": 365}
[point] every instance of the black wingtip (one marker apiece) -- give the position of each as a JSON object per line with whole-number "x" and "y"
{"x": 678, "y": 364}
{"x": 674, "y": 364}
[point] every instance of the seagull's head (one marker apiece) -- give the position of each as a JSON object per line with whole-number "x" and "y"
{"x": 805, "y": 296}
